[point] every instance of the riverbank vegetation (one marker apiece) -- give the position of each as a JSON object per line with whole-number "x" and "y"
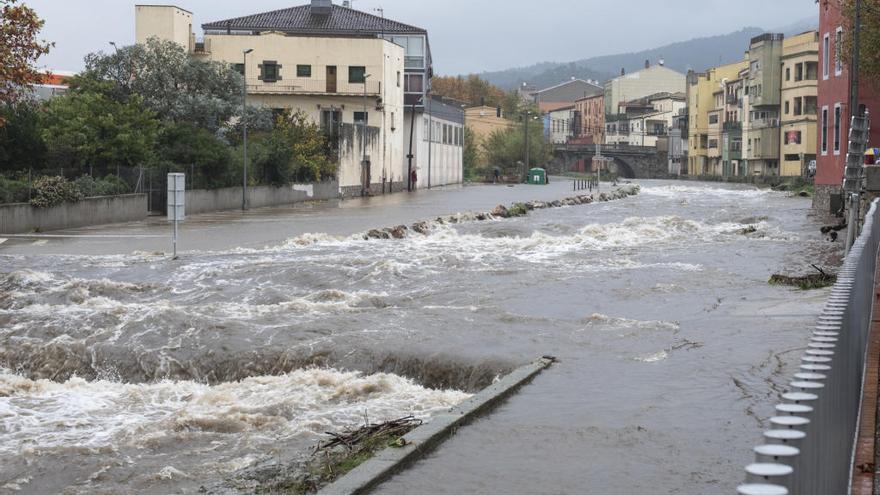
{"x": 812, "y": 281}
{"x": 146, "y": 110}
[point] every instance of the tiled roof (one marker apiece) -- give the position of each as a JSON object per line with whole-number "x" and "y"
{"x": 299, "y": 20}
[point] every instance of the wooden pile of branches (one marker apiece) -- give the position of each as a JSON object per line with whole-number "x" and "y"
{"x": 365, "y": 435}
{"x": 806, "y": 282}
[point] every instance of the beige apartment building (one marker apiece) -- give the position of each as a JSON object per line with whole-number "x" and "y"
{"x": 360, "y": 77}
{"x": 483, "y": 121}
{"x": 800, "y": 79}
{"x": 648, "y": 81}
{"x": 705, "y": 114}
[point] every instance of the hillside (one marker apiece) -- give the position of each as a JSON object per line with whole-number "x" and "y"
{"x": 697, "y": 54}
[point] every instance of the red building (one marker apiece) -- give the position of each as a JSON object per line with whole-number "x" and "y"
{"x": 833, "y": 104}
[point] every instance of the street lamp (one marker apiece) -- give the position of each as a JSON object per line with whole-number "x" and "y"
{"x": 244, "y": 128}
{"x": 364, "y": 164}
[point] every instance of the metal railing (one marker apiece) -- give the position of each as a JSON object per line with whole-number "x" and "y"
{"x": 303, "y": 86}
{"x": 810, "y": 448}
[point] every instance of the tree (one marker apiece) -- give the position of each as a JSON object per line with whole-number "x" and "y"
{"x": 21, "y": 139}
{"x": 869, "y": 37}
{"x": 295, "y": 151}
{"x": 182, "y": 145}
{"x": 470, "y": 154}
{"x": 506, "y": 148}
{"x": 19, "y": 50}
{"x": 174, "y": 85}
{"x": 92, "y": 130}
{"x": 471, "y": 90}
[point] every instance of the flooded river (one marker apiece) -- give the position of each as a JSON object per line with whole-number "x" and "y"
{"x": 133, "y": 374}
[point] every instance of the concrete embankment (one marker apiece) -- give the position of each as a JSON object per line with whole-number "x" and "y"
{"x": 423, "y": 439}
{"x": 19, "y": 218}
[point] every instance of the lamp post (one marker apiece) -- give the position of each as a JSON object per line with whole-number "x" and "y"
{"x": 364, "y": 165}
{"x": 244, "y": 123}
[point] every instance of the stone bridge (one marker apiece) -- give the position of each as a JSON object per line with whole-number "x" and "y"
{"x": 632, "y": 162}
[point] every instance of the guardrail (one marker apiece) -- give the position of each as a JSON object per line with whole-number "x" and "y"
{"x": 810, "y": 448}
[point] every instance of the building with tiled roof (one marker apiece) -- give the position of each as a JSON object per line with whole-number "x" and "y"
{"x": 363, "y": 78}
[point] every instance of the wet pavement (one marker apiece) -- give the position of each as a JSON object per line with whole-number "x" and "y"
{"x": 134, "y": 374}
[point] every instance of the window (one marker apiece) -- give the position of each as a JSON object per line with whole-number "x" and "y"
{"x": 837, "y": 123}
{"x": 799, "y": 72}
{"x": 414, "y": 83}
{"x": 793, "y": 137}
{"x": 826, "y": 48}
{"x": 361, "y": 118}
{"x": 393, "y": 124}
{"x": 270, "y": 71}
{"x": 788, "y": 73}
{"x": 398, "y": 79}
{"x": 786, "y": 108}
{"x": 356, "y": 74}
{"x": 713, "y": 119}
{"x": 824, "y": 130}
{"x": 713, "y": 144}
{"x": 238, "y": 68}
{"x": 798, "y": 106}
{"x": 838, "y": 52}
{"x": 303, "y": 71}
{"x": 810, "y": 105}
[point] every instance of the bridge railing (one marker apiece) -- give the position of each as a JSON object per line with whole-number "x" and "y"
{"x": 810, "y": 446}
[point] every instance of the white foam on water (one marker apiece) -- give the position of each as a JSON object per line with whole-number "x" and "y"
{"x": 44, "y": 417}
{"x": 653, "y": 358}
{"x": 605, "y": 321}
{"x": 682, "y": 192}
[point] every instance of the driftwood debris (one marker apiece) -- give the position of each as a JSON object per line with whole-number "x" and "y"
{"x": 367, "y": 434}
{"x": 806, "y": 282}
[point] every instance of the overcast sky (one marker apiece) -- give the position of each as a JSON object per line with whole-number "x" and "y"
{"x": 466, "y": 35}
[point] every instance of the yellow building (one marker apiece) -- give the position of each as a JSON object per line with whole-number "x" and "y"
{"x": 800, "y": 73}
{"x": 483, "y": 121}
{"x": 705, "y": 97}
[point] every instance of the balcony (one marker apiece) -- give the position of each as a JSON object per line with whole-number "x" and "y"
{"x": 732, "y": 99}
{"x": 313, "y": 87}
{"x": 733, "y": 126}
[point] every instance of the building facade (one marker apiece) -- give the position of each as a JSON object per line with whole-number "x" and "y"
{"x": 834, "y": 113}
{"x": 564, "y": 94}
{"x": 646, "y": 82}
{"x": 706, "y": 103}
{"x": 362, "y": 78}
{"x": 800, "y": 82}
{"x": 762, "y": 104}
{"x": 559, "y": 124}
{"x": 591, "y": 110}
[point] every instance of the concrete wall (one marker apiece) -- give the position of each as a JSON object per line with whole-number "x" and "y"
{"x": 165, "y": 22}
{"x": 20, "y": 218}
{"x": 229, "y": 198}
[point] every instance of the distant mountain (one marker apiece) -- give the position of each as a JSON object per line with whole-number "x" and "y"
{"x": 698, "y": 54}
{"x": 806, "y": 24}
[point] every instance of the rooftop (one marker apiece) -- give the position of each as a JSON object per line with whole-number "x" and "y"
{"x": 302, "y": 20}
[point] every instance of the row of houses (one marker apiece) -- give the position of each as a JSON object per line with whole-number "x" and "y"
{"x": 363, "y": 78}
{"x": 757, "y": 116}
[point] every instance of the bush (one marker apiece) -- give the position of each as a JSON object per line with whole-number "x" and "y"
{"x": 53, "y": 191}
{"x": 13, "y": 191}
{"x": 108, "y": 186}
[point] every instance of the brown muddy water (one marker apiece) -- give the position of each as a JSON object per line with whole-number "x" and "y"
{"x": 132, "y": 374}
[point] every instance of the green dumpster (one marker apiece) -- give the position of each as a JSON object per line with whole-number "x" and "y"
{"x": 537, "y": 176}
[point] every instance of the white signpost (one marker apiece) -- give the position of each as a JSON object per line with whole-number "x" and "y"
{"x": 176, "y": 203}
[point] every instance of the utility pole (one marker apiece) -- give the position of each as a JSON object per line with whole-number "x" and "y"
{"x": 365, "y": 162}
{"x": 527, "y": 157}
{"x": 412, "y": 129}
{"x": 244, "y": 122}
{"x": 430, "y": 135}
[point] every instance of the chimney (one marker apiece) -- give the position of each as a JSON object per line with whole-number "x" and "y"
{"x": 647, "y": 64}
{"x": 321, "y": 7}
